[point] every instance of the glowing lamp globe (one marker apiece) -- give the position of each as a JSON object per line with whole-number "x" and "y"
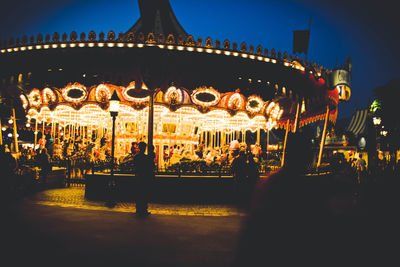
{"x": 114, "y": 104}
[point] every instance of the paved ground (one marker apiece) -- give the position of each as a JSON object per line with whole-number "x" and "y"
{"x": 60, "y": 227}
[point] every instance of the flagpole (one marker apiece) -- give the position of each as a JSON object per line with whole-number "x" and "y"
{"x": 309, "y": 33}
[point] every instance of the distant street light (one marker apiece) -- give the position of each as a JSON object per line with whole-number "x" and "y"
{"x": 376, "y": 120}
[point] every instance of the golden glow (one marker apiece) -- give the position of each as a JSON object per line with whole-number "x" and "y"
{"x": 173, "y": 94}
{"x": 205, "y": 90}
{"x": 35, "y": 98}
{"x": 75, "y": 86}
{"x": 48, "y": 94}
{"x": 257, "y": 108}
{"x": 236, "y": 101}
{"x": 24, "y": 101}
{"x": 102, "y": 93}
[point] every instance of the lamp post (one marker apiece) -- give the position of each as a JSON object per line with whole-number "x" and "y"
{"x": 114, "y": 109}
{"x": 373, "y": 143}
{"x": 377, "y": 121}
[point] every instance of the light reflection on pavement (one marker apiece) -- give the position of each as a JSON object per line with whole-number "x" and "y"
{"x": 74, "y": 198}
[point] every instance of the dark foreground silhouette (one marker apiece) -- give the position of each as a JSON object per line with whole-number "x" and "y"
{"x": 291, "y": 222}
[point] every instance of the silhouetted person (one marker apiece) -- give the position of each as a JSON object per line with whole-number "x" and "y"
{"x": 361, "y": 168}
{"x": 8, "y": 165}
{"x": 239, "y": 172}
{"x": 285, "y": 214}
{"x": 144, "y": 170}
{"x": 252, "y": 172}
{"x": 45, "y": 164}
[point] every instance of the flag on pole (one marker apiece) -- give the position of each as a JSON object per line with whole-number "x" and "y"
{"x": 301, "y": 40}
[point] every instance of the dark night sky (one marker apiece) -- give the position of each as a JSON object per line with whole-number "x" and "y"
{"x": 367, "y": 30}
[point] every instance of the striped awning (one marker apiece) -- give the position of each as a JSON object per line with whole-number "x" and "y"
{"x": 358, "y": 123}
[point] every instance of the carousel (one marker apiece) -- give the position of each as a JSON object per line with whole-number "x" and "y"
{"x": 173, "y": 90}
{"x": 181, "y": 117}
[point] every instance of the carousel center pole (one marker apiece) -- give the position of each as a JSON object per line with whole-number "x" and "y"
{"x": 151, "y": 119}
{"x": 321, "y": 148}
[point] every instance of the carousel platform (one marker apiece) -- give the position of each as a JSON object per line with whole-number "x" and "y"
{"x": 166, "y": 187}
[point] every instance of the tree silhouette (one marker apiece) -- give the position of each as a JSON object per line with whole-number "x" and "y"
{"x": 388, "y": 111}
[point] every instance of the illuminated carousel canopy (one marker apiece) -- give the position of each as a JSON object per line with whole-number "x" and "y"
{"x": 203, "y": 108}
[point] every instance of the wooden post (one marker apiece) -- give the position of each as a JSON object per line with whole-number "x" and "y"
{"x": 321, "y": 147}
{"x": 296, "y": 121}
{"x": 284, "y": 143}
{"x": 15, "y": 131}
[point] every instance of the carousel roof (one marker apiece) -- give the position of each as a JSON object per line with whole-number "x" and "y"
{"x": 146, "y": 54}
{"x": 157, "y": 16}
